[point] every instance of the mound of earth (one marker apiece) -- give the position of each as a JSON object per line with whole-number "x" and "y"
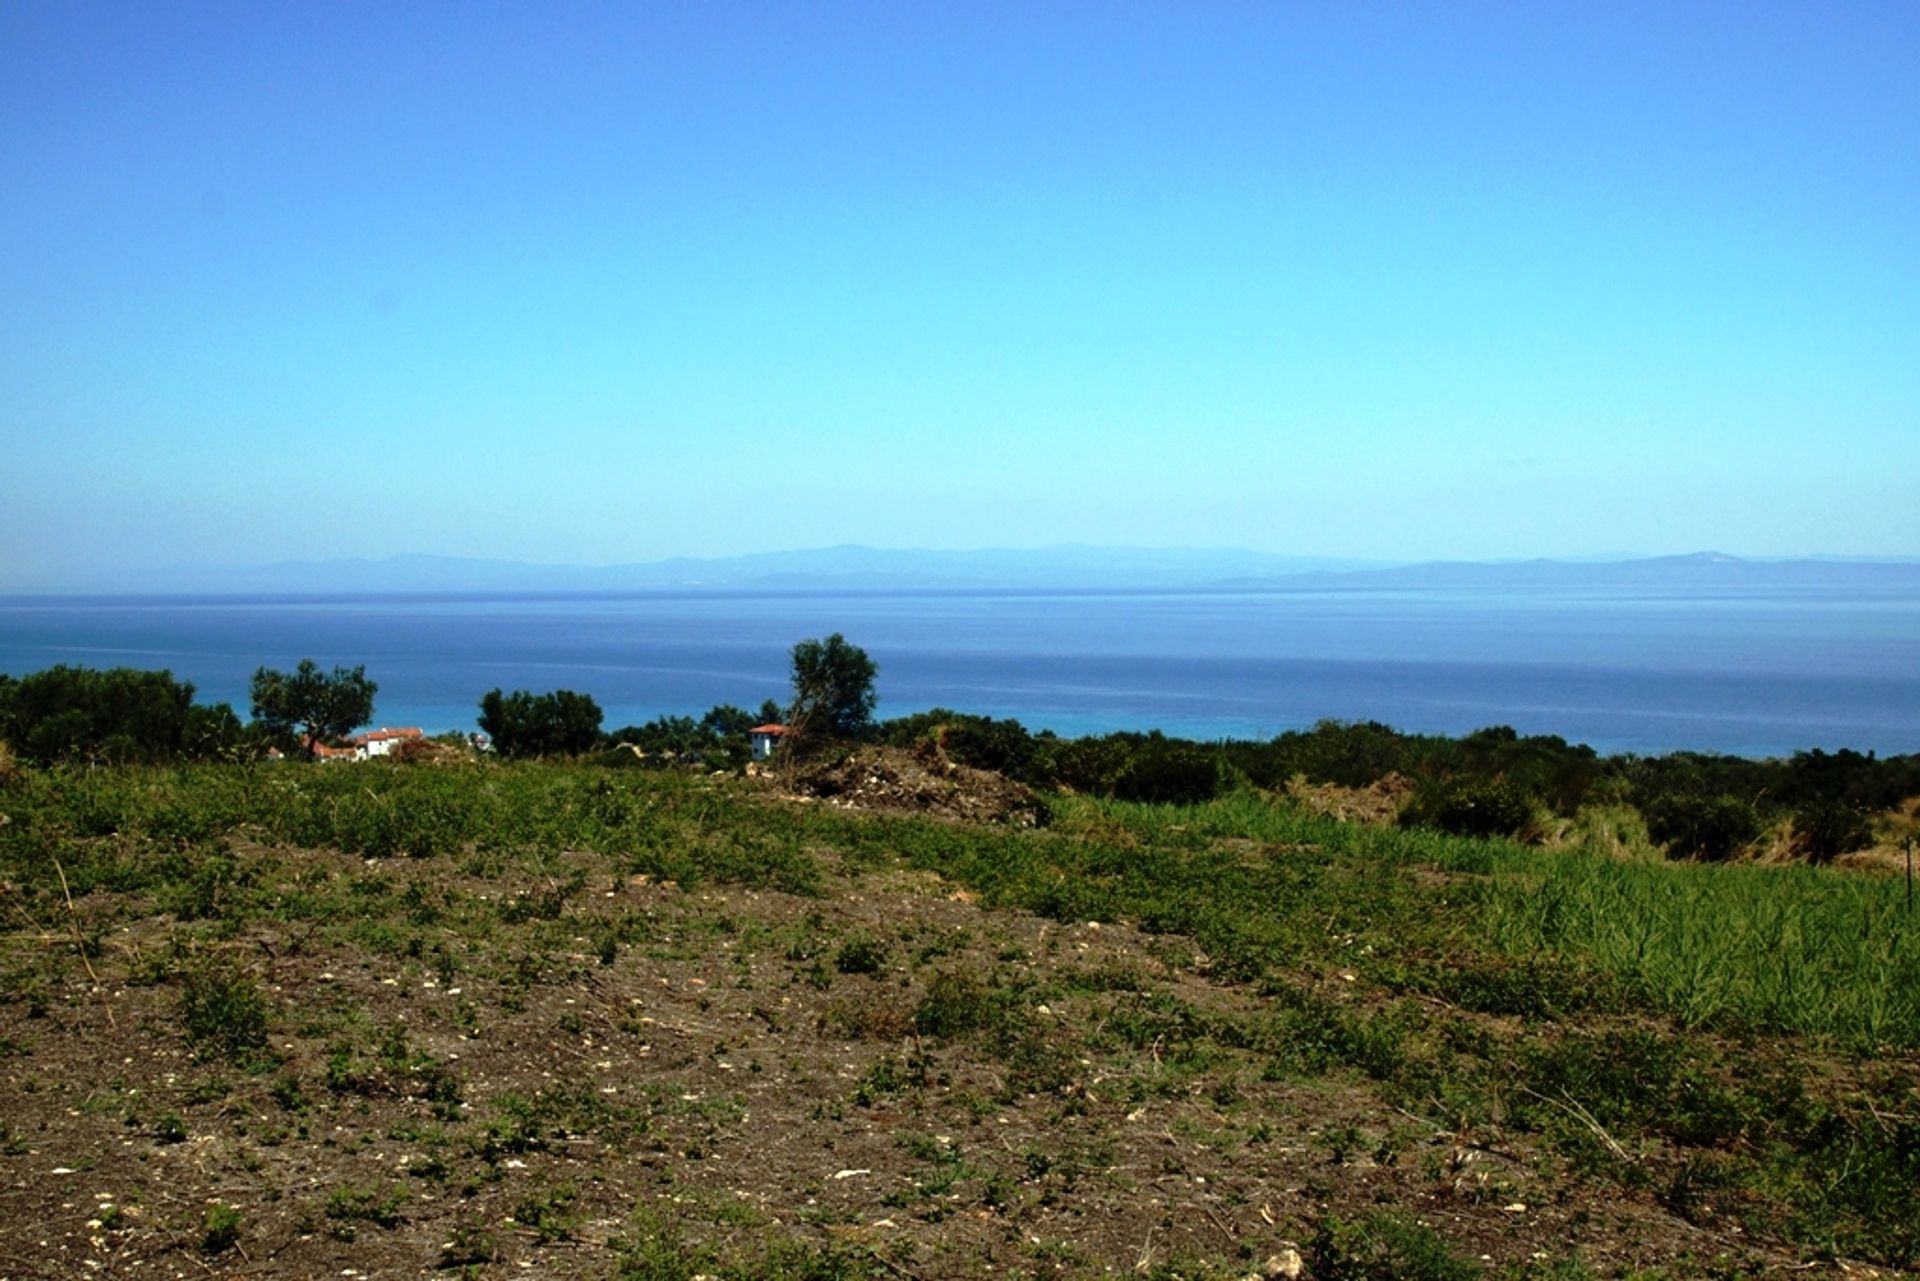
{"x": 1378, "y": 803}
{"x": 922, "y": 782}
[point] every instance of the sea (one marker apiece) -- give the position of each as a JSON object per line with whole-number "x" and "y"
{"x": 1749, "y": 674}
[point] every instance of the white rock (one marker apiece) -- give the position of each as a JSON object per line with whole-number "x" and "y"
{"x": 1285, "y": 1264}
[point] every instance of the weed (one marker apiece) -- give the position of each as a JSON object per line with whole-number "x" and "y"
{"x": 288, "y": 1094}
{"x": 220, "y": 1229}
{"x": 652, "y": 1251}
{"x": 469, "y": 1245}
{"x": 351, "y": 1203}
{"x": 860, "y": 956}
{"x": 954, "y": 1005}
{"x": 1383, "y": 1247}
{"x": 226, "y": 1011}
{"x": 549, "y": 1213}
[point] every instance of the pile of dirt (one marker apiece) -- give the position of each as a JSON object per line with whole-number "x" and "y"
{"x": 1378, "y": 803}
{"x": 920, "y": 782}
{"x": 429, "y": 751}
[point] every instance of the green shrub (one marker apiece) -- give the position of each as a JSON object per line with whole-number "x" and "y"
{"x": 1382, "y": 1247}
{"x": 955, "y": 1004}
{"x": 121, "y": 715}
{"x": 860, "y": 956}
{"x": 1712, "y": 828}
{"x": 1825, "y": 830}
{"x": 225, "y": 1010}
{"x": 220, "y": 1231}
{"x": 1171, "y": 773}
{"x": 380, "y": 1206}
{"x": 1471, "y": 807}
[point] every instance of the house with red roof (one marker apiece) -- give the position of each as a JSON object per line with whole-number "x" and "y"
{"x": 764, "y": 739}
{"x": 381, "y": 742}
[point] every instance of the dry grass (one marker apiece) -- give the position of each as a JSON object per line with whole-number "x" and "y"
{"x": 1379, "y": 803}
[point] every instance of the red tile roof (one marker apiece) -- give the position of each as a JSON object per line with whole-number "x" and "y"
{"x": 382, "y": 735}
{"x": 775, "y": 730}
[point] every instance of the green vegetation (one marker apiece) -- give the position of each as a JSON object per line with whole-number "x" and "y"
{"x": 487, "y": 1008}
{"x": 1815, "y": 805}
{"x": 833, "y": 693}
{"x": 1492, "y": 782}
{"x": 1725, "y": 1040}
{"x": 220, "y": 1230}
{"x": 120, "y": 716}
{"x": 312, "y": 705}
{"x": 718, "y": 740}
{"x": 523, "y": 724}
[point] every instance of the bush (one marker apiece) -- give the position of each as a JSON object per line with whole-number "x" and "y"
{"x": 221, "y": 1229}
{"x": 1384, "y": 1248}
{"x": 522, "y": 723}
{"x": 955, "y": 1004}
{"x": 225, "y": 1010}
{"x": 1471, "y": 807}
{"x": 1134, "y": 767}
{"x": 119, "y": 716}
{"x": 860, "y": 956}
{"x": 1171, "y": 773}
{"x": 1089, "y": 765}
{"x": 1703, "y": 827}
{"x": 1825, "y": 830}
{"x": 1002, "y": 746}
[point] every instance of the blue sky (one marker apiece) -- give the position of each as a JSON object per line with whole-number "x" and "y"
{"x": 602, "y": 283}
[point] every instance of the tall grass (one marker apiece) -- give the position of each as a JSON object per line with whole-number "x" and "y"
{"x": 1794, "y": 949}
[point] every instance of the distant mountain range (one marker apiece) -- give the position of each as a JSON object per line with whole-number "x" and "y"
{"x": 1071, "y": 567}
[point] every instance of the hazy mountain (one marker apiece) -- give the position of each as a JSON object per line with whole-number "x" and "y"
{"x": 854, "y": 568}
{"x": 1701, "y": 573}
{"x": 848, "y": 567}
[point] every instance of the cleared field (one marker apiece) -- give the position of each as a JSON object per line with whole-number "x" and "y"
{"x": 278, "y": 1021}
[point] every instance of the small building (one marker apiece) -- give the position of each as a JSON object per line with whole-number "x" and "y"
{"x": 381, "y": 742}
{"x": 764, "y": 739}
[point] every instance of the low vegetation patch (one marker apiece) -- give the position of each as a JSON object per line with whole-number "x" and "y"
{"x": 520, "y": 1018}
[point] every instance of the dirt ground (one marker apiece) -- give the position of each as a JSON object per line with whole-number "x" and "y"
{"x": 721, "y": 1068}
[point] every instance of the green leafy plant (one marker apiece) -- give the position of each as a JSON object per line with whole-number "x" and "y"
{"x": 225, "y": 1010}
{"x": 220, "y": 1229}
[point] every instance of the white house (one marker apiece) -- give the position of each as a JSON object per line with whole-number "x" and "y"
{"x": 765, "y": 738}
{"x": 381, "y": 742}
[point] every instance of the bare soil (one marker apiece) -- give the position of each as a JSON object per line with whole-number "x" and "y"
{"x": 734, "y": 1067}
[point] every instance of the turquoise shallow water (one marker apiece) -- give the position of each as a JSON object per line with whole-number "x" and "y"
{"x": 1755, "y": 675}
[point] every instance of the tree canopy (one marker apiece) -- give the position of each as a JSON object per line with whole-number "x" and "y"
{"x": 116, "y": 716}
{"x": 832, "y": 688}
{"x": 562, "y": 723}
{"x": 314, "y": 704}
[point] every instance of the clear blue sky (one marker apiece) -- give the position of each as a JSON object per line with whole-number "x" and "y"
{"x": 602, "y": 283}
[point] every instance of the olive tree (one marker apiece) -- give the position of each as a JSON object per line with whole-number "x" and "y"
{"x": 314, "y": 704}
{"x": 832, "y": 688}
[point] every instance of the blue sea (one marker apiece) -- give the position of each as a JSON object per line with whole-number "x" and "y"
{"x": 1754, "y": 675}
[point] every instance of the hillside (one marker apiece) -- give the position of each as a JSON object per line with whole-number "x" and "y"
{"x": 566, "y": 1022}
